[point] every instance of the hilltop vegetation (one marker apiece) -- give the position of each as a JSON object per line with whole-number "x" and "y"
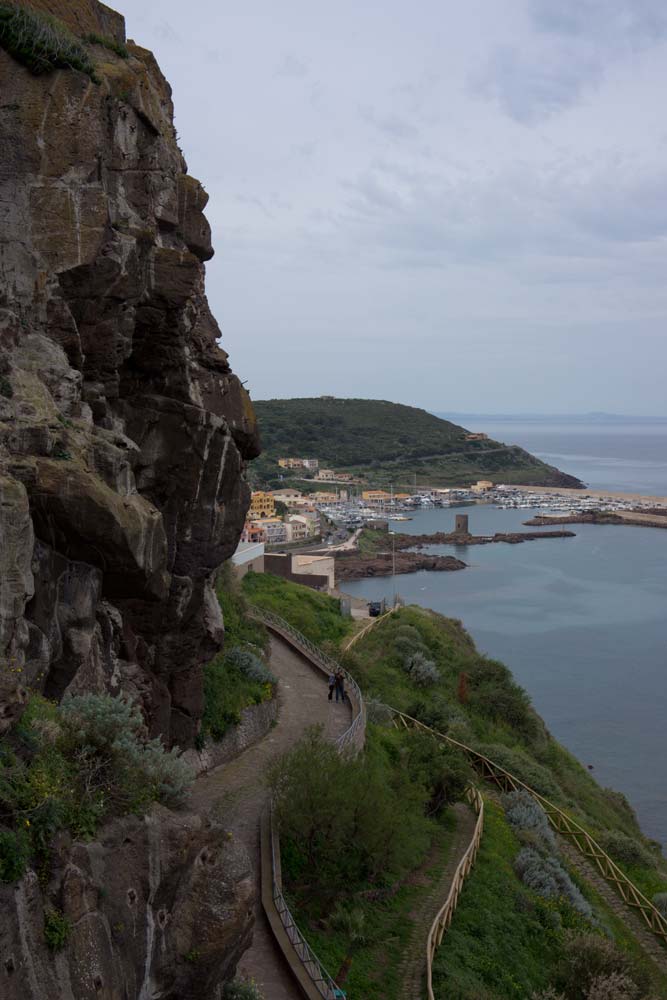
{"x": 388, "y": 443}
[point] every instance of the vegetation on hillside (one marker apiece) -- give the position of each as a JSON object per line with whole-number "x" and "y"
{"x": 40, "y": 42}
{"x": 71, "y": 767}
{"x": 353, "y": 832}
{"x": 388, "y": 443}
{"x": 314, "y": 614}
{"x": 525, "y": 919}
{"x": 238, "y": 676}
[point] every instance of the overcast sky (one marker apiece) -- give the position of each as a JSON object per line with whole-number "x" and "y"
{"x": 457, "y": 205}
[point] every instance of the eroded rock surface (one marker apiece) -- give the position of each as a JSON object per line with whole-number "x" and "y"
{"x": 123, "y": 431}
{"x": 158, "y": 907}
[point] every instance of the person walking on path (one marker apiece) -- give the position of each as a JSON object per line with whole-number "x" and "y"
{"x": 332, "y": 685}
{"x": 340, "y": 685}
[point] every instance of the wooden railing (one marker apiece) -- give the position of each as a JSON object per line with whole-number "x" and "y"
{"x": 355, "y": 735}
{"x": 314, "y": 979}
{"x": 446, "y": 912}
{"x": 366, "y": 629}
{"x": 561, "y": 822}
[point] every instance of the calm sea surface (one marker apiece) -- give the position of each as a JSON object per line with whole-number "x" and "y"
{"x": 582, "y": 623}
{"x": 630, "y": 456}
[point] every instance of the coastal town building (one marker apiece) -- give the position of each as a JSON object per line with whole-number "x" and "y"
{"x": 323, "y": 497}
{"x": 310, "y": 523}
{"x": 274, "y": 528}
{"x": 287, "y": 495}
{"x": 375, "y": 496}
{"x": 331, "y": 476}
{"x": 297, "y": 530}
{"x": 261, "y": 505}
{"x": 253, "y": 533}
{"x": 482, "y": 485}
{"x": 311, "y": 464}
{"x": 477, "y": 436}
{"x": 248, "y": 556}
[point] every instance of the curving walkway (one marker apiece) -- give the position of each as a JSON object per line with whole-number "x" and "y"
{"x": 235, "y": 793}
{"x": 413, "y": 966}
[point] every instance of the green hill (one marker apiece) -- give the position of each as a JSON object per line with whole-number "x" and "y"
{"x": 389, "y": 443}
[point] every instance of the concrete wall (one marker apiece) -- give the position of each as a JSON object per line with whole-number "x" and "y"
{"x": 281, "y": 565}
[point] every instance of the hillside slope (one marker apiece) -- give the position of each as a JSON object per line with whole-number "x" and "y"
{"x": 388, "y": 442}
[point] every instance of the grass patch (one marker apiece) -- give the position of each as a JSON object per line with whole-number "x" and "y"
{"x": 314, "y": 614}
{"x": 506, "y": 941}
{"x": 237, "y": 677}
{"x": 40, "y": 42}
{"x": 109, "y": 43}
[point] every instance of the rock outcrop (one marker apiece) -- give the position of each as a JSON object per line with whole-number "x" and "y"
{"x": 156, "y": 907}
{"x": 123, "y": 431}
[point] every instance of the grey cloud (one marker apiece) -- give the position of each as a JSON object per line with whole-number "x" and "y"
{"x": 291, "y": 67}
{"x": 389, "y": 123}
{"x": 576, "y": 43}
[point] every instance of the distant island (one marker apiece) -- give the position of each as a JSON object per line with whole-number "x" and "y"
{"x": 381, "y": 443}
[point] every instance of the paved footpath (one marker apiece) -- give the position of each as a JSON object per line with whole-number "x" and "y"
{"x": 236, "y": 793}
{"x": 413, "y": 966}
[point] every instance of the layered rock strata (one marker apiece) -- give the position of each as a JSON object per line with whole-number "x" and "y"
{"x": 123, "y": 431}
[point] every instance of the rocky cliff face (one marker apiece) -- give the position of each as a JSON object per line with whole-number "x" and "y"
{"x": 123, "y": 432}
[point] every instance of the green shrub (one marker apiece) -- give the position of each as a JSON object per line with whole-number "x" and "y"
{"x": 660, "y": 902}
{"x": 40, "y": 42}
{"x": 14, "y": 854}
{"x": 493, "y": 694}
{"x": 346, "y": 823}
{"x": 547, "y": 877}
{"x": 421, "y": 670}
{"x": 242, "y": 989}
{"x": 525, "y": 815}
{"x": 107, "y": 737}
{"x": 615, "y": 986}
{"x": 57, "y": 930}
{"x": 520, "y": 764}
{"x": 587, "y": 958}
{"x": 626, "y": 849}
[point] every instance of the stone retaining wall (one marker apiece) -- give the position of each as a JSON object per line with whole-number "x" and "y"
{"x": 256, "y": 721}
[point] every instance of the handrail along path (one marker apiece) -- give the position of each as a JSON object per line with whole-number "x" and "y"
{"x": 319, "y": 983}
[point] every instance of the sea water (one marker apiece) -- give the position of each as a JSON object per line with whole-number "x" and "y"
{"x": 581, "y": 622}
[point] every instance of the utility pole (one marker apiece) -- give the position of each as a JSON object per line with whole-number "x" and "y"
{"x": 393, "y": 563}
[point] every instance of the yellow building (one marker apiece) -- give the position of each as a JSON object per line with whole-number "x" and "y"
{"x": 261, "y": 505}
{"x": 375, "y": 496}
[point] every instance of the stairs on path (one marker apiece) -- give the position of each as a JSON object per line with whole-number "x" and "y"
{"x": 413, "y": 966}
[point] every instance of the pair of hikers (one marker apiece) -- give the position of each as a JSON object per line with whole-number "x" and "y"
{"x": 337, "y": 684}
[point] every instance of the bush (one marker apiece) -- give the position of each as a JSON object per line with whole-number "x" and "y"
{"x": 377, "y": 712}
{"x": 117, "y": 766}
{"x": 626, "y": 849}
{"x": 57, "y": 929}
{"x": 527, "y": 816}
{"x": 523, "y": 767}
{"x": 420, "y": 670}
{"x": 615, "y": 986}
{"x": 589, "y": 957}
{"x": 660, "y": 902}
{"x": 40, "y": 42}
{"x": 346, "y": 822}
{"x": 493, "y": 694}
{"x": 242, "y": 989}
{"x": 14, "y": 855}
{"x": 547, "y": 877}
{"x": 251, "y": 666}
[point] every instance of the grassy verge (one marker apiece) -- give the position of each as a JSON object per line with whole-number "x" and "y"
{"x": 314, "y": 614}
{"x": 375, "y": 970}
{"x": 506, "y": 941}
{"x": 238, "y": 677}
